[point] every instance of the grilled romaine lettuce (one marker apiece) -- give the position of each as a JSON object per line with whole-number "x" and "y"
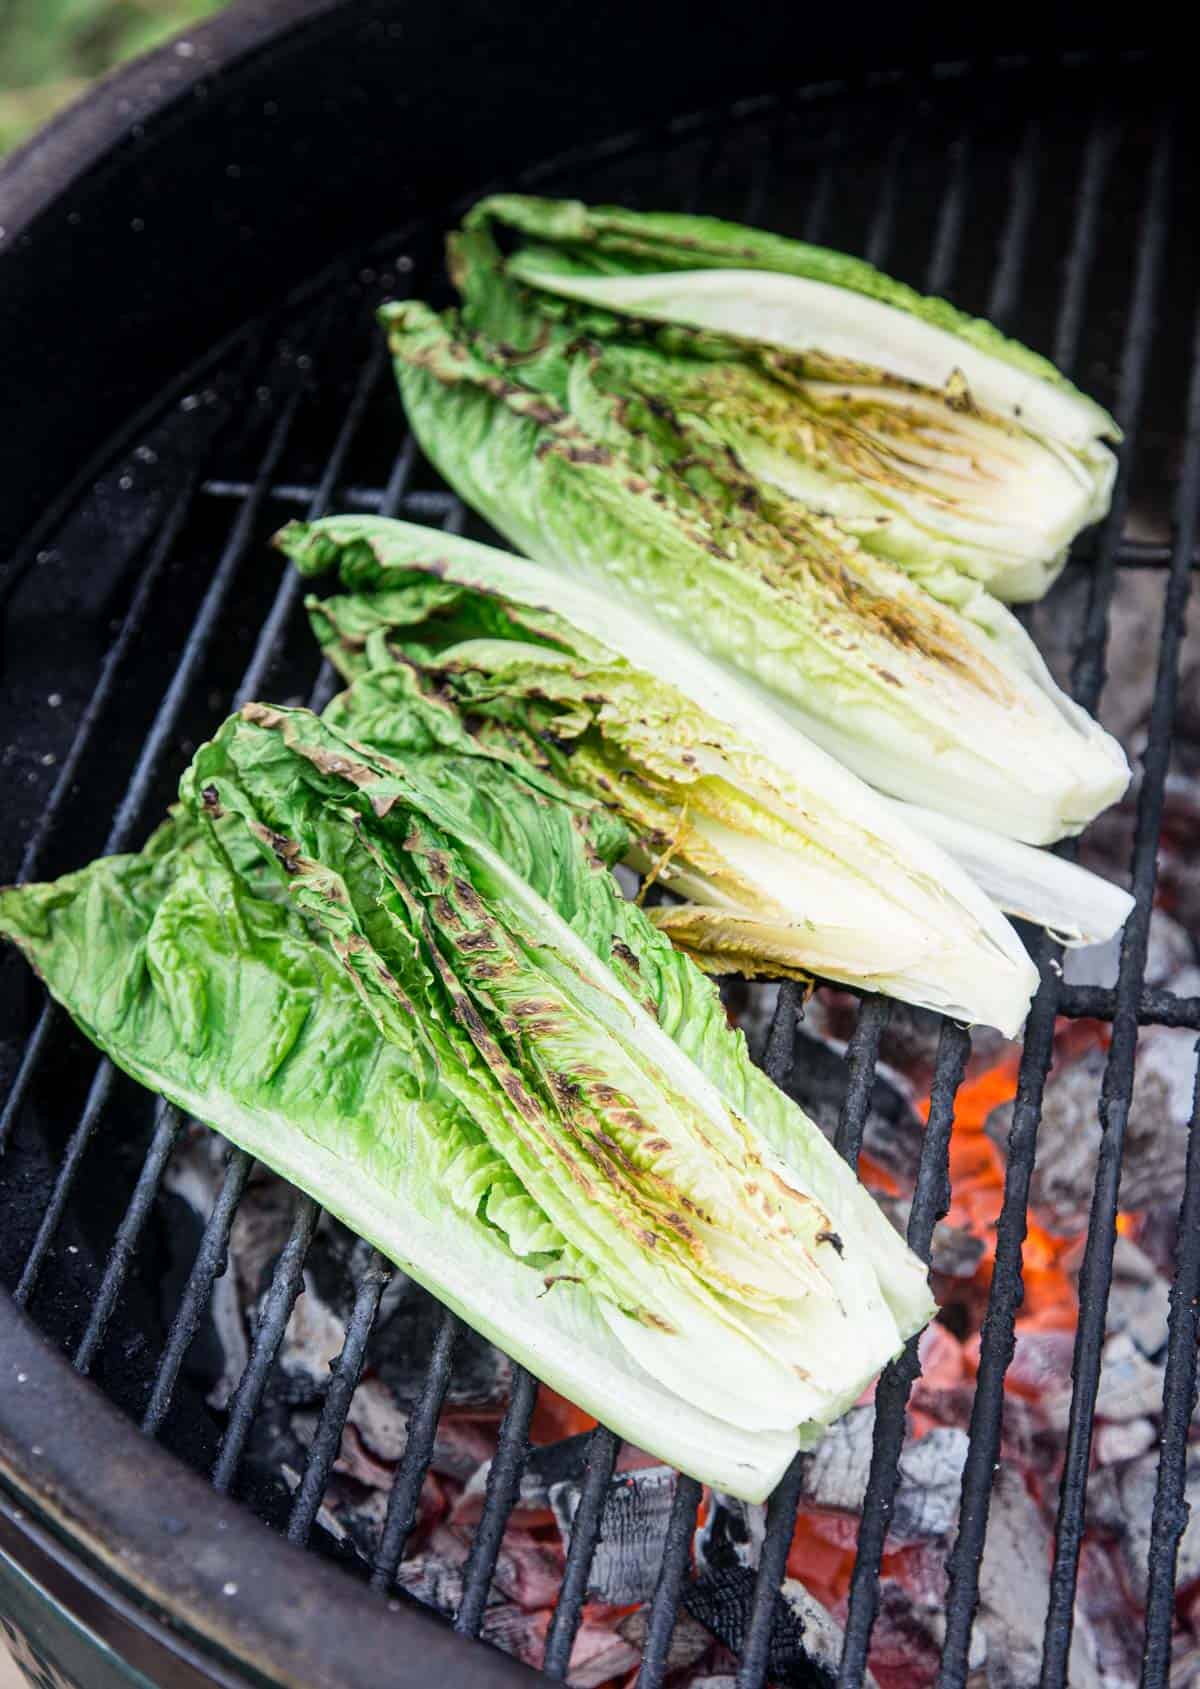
{"x": 789, "y": 863}
{"x": 321, "y": 956}
{"x": 937, "y": 437}
{"x": 948, "y": 706}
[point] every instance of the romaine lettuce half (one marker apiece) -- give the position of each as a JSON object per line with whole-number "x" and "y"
{"x": 920, "y": 474}
{"x": 904, "y": 414}
{"x": 948, "y": 706}
{"x": 789, "y": 864}
{"x": 321, "y": 957}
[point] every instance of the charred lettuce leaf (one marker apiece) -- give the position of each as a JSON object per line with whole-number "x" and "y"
{"x": 923, "y": 475}
{"x": 948, "y": 706}
{"x": 787, "y": 862}
{"x": 324, "y": 959}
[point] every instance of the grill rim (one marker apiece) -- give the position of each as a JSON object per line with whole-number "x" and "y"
{"x": 273, "y": 1622}
{"x": 1184, "y": 1008}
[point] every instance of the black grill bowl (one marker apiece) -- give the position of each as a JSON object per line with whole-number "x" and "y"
{"x": 188, "y": 270}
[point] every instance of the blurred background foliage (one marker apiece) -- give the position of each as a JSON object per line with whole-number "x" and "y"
{"x": 51, "y": 49}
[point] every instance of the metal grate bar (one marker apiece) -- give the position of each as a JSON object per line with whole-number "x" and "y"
{"x": 931, "y": 1199}
{"x": 1116, "y": 1090}
{"x": 167, "y": 1127}
{"x": 781, "y": 1520}
{"x": 503, "y": 1486}
{"x": 950, "y": 220}
{"x": 1097, "y": 158}
{"x": 602, "y": 1452}
{"x": 122, "y": 1253}
{"x": 1089, "y": 671}
{"x": 818, "y": 206}
{"x": 664, "y": 1609}
{"x": 883, "y": 220}
{"x": 1006, "y": 1293}
{"x": 1171, "y": 1510}
{"x": 271, "y": 633}
{"x": 418, "y": 1451}
{"x": 1014, "y": 237}
{"x": 125, "y": 820}
{"x": 423, "y": 502}
{"x": 780, "y": 1050}
{"x": 862, "y": 1053}
{"x": 286, "y": 1282}
{"x": 1154, "y": 1007}
{"x": 93, "y": 1108}
{"x": 996, "y": 1350}
{"x": 429, "y": 504}
{"x": 863, "y": 1050}
{"x": 206, "y": 1268}
{"x": 131, "y": 626}
{"x": 344, "y": 1375}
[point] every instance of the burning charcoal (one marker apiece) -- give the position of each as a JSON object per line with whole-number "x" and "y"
{"x": 836, "y": 1473}
{"x": 259, "y": 1232}
{"x": 194, "y": 1174}
{"x": 547, "y": 1465}
{"x": 633, "y": 1532}
{"x": 956, "y": 1250}
{"x": 380, "y": 1420}
{"x": 600, "y": 1653}
{"x": 432, "y": 1581}
{"x": 732, "y": 1533}
{"x": 1170, "y": 954}
{"x": 690, "y": 1641}
{"x": 1014, "y": 1591}
{"x": 907, "y": 1641}
{"x": 357, "y": 1462}
{"x": 930, "y": 1469}
{"x": 721, "y": 1601}
{"x": 510, "y": 1627}
{"x": 1135, "y": 1488}
{"x": 1139, "y": 1300}
{"x": 460, "y": 1447}
{"x": 527, "y": 1571}
{"x": 1069, "y": 1136}
{"x": 1185, "y": 1663}
{"x": 311, "y": 1343}
{"x": 1113, "y": 1445}
{"x": 893, "y": 1131}
{"x": 1109, "y": 1628}
{"x": 823, "y": 1636}
{"x": 403, "y": 1343}
{"x": 926, "y": 1505}
{"x": 1041, "y": 1370}
{"x": 1105, "y": 1509}
{"x": 1130, "y": 1385}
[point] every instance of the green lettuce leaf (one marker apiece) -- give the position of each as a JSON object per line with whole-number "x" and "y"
{"x": 920, "y": 474}
{"x": 712, "y": 274}
{"x": 788, "y": 862}
{"x": 946, "y": 706}
{"x": 321, "y": 957}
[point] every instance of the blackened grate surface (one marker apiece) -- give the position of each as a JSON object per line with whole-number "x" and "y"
{"x": 1057, "y": 199}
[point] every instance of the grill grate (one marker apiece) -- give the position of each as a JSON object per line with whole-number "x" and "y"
{"x": 890, "y": 167}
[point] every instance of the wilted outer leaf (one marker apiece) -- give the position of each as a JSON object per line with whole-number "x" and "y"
{"x": 320, "y": 957}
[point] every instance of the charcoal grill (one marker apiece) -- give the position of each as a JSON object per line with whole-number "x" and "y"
{"x": 189, "y": 270}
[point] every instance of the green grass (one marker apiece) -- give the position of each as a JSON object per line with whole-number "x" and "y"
{"x": 51, "y": 49}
